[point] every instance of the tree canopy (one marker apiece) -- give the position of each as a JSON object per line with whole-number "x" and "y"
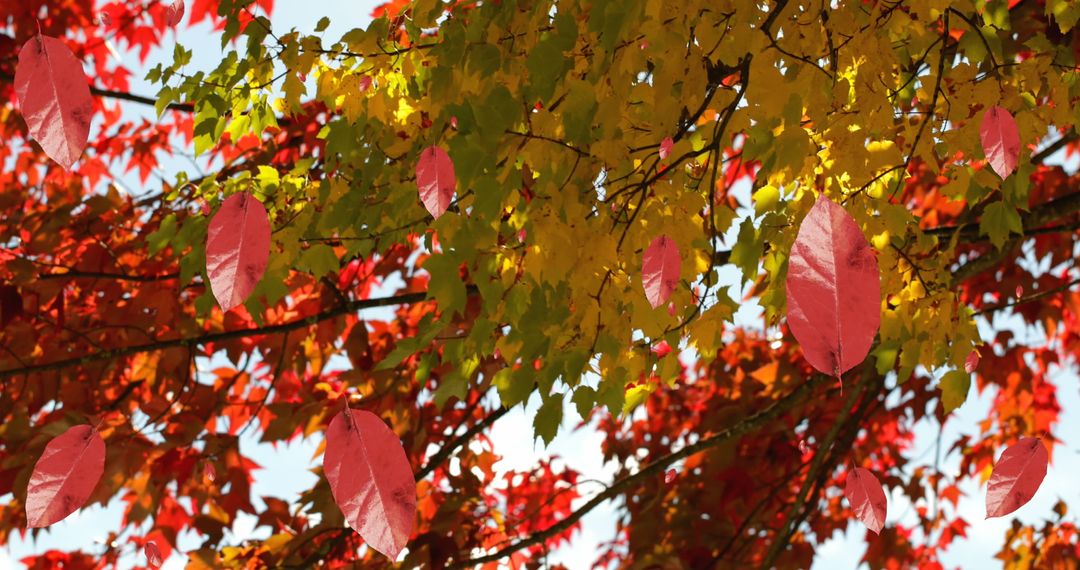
{"x": 472, "y": 204}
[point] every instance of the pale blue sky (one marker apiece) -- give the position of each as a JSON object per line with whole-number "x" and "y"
{"x": 286, "y": 468}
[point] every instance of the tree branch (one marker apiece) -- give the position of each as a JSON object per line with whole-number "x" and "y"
{"x": 447, "y": 450}
{"x": 1030, "y": 298}
{"x": 122, "y": 96}
{"x": 1034, "y": 221}
{"x": 340, "y": 310}
{"x": 76, "y": 274}
{"x": 655, "y": 469}
{"x": 817, "y": 467}
{"x": 1053, "y": 147}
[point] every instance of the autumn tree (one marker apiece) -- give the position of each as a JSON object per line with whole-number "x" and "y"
{"x": 547, "y": 200}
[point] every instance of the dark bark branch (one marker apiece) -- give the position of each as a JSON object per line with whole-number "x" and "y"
{"x": 76, "y": 274}
{"x": 122, "y": 96}
{"x": 338, "y": 311}
{"x": 819, "y": 466}
{"x": 1053, "y": 147}
{"x": 448, "y": 449}
{"x": 1030, "y": 298}
{"x": 1038, "y": 220}
{"x": 655, "y": 469}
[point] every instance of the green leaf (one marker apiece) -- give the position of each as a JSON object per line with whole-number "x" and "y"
{"x": 549, "y": 418}
{"x": 612, "y": 391}
{"x": 513, "y": 387}
{"x": 1066, "y": 13}
{"x": 998, "y": 221}
{"x": 585, "y": 400}
{"x": 411, "y": 345}
{"x": 452, "y": 385}
{"x": 746, "y": 254}
{"x": 483, "y": 59}
{"x": 158, "y": 240}
{"x": 497, "y": 113}
{"x": 319, "y": 259}
{"x": 954, "y": 385}
{"x": 445, "y": 286}
{"x": 766, "y": 199}
{"x": 886, "y": 354}
{"x": 546, "y": 65}
{"x": 165, "y": 96}
{"x": 635, "y": 397}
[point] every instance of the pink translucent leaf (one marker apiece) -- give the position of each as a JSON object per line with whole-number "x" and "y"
{"x": 1016, "y": 477}
{"x": 971, "y": 362}
{"x": 174, "y": 13}
{"x": 54, "y": 97}
{"x": 64, "y": 476}
{"x": 1019, "y": 291}
{"x": 669, "y": 477}
{"x": 436, "y": 180}
{"x": 365, "y": 83}
{"x": 237, "y": 249}
{"x": 660, "y": 268}
{"x": 153, "y": 555}
{"x": 833, "y": 290}
{"x": 371, "y": 480}
{"x": 665, "y": 148}
{"x": 1000, "y": 140}
{"x": 209, "y": 473}
{"x": 867, "y": 499}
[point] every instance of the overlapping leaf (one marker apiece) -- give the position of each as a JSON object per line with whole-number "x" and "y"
{"x": 436, "y": 180}
{"x": 972, "y": 361}
{"x": 665, "y": 147}
{"x": 371, "y": 480}
{"x": 153, "y": 555}
{"x": 660, "y": 266}
{"x": 833, "y": 289}
{"x": 1017, "y": 476}
{"x": 174, "y": 13}
{"x": 54, "y": 98}
{"x": 64, "y": 475}
{"x": 1000, "y": 140}
{"x": 237, "y": 249}
{"x": 863, "y": 491}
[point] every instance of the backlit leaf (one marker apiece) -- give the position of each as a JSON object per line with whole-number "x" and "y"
{"x": 954, "y": 389}
{"x": 660, "y": 270}
{"x": 153, "y": 555}
{"x": 54, "y": 97}
{"x": 1017, "y": 476}
{"x": 971, "y": 362}
{"x": 833, "y": 289}
{"x": 64, "y": 476}
{"x": 371, "y": 480}
{"x": 436, "y": 180}
{"x": 237, "y": 249}
{"x": 174, "y": 13}
{"x": 863, "y": 491}
{"x": 998, "y": 221}
{"x": 1000, "y": 140}
{"x": 665, "y": 148}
